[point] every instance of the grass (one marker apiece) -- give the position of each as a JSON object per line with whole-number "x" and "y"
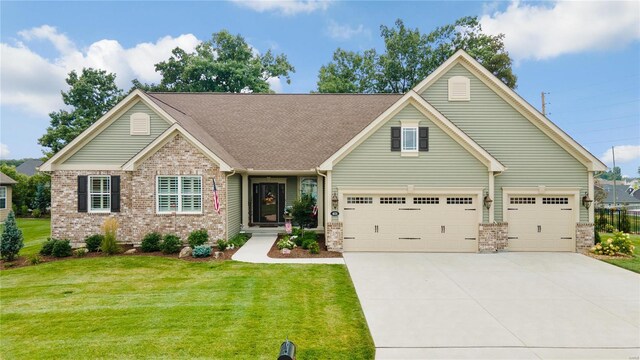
{"x": 154, "y": 307}
{"x": 633, "y": 263}
{"x": 35, "y": 232}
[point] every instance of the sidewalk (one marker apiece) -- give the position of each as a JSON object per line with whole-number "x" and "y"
{"x": 256, "y": 249}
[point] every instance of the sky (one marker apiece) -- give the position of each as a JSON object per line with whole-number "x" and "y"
{"x": 584, "y": 55}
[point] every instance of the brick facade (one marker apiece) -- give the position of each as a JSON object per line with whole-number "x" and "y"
{"x": 584, "y": 236}
{"x": 137, "y": 214}
{"x": 492, "y": 237}
{"x": 333, "y": 236}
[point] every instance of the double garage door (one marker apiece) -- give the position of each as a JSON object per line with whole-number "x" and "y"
{"x": 439, "y": 223}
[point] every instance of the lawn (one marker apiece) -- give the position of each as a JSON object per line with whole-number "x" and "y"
{"x": 154, "y": 307}
{"x": 35, "y": 232}
{"x": 633, "y": 263}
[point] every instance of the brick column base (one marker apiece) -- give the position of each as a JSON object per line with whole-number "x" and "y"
{"x": 584, "y": 236}
{"x": 492, "y": 237}
{"x": 333, "y": 236}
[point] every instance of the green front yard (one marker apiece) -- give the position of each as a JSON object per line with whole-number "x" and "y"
{"x": 632, "y": 263}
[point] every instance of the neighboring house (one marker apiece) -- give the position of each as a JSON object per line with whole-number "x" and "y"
{"x": 29, "y": 167}
{"x": 459, "y": 163}
{"x": 624, "y": 196}
{"x": 6, "y": 187}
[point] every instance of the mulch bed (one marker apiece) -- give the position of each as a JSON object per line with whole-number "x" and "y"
{"x": 299, "y": 252}
{"x": 606, "y": 257}
{"x": 22, "y": 261}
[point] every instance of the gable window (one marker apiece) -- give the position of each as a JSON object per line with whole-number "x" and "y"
{"x": 409, "y": 139}
{"x": 459, "y": 88}
{"x": 100, "y": 194}
{"x": 180, "y": 194}
{"x": 3, "y": 197}
{"x": 140, "y": 124}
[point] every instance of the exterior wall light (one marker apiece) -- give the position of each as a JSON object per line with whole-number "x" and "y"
{"x": 586, "y": 202}
{"x": 487, "y": 201}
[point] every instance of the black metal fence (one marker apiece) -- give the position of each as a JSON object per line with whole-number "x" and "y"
{"x": 607, "y": 220}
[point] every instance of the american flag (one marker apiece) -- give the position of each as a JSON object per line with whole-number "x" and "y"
{"x": 216, "y": 199}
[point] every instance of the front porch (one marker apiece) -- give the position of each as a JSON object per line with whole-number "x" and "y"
{"x": 265, "y": 196}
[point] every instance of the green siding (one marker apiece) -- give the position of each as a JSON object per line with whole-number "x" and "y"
{"x": 292, "y": 190}
{"x": 446, "y": 164}
{"x": 532, "y": 158}
{"x": 234, "y": 207}
{"x": 114, "y": 145}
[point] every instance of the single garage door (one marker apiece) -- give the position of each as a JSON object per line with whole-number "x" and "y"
{"x": 439, "y": 223}
{"x": 541, "y": 223}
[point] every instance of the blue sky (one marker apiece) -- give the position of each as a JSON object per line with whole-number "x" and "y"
{"x": 586, "y": 55}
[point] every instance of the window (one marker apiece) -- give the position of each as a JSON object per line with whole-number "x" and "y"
{"x": 410, "y": 139}
{"x": 393, "y": 200}
{"x": 139, "y": 124}
{"x": 99, "y": 194}
{"x": 522, "y": 200}
{"x": 359, "y": 200}
{"x": 3, "y": 197}
{"x": 459, "y": 200}
{"x": 181, "y": 194}
{"x": 555, "y": 201}
{"x": 426, "y": 200}
{"x": 309, "y": 186}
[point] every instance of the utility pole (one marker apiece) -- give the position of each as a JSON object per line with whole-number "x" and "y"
{"x": 544, "y": 103}
{"x": 615, "y": 194}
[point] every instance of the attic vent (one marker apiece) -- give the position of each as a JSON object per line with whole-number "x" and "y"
{"x": 140, "y": 124}
{"x": 459, "y": 88}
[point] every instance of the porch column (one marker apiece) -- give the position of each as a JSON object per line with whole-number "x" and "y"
{"x": 591, "y": 193}
{"x": 320, "y": 201}
{"x": 327, "y": 197}
{"x": 245, "y": 201}
{"x": 491, "y": 192}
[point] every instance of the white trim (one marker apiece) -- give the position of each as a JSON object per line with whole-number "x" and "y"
{"x": 179, "y": 195}
{"x": 89, "y": 193}
{"x": 402, "y": 129}
{"x": 328, "y": 193}
{"x": 492, "y": 209}
{"x": 163, "y": 139}
{"x": 245, "y": 201}
{"x": 309, "y": 172}
{"x": 6, "y": 196}
{"x": 529, "y": 112}
{"x": 95, "y": 167}
{"x": 429, "y": 112}
{"x": 591, "y": 192}
{"x": 97, "y": 127}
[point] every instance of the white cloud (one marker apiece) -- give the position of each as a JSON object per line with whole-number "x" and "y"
{"x": 547, "y": 30}
{"x": 4, "y": 151}
{"x": 275, "y": 84}
{"x": 346, "y": 32}
{"x": 284, "y": 7}
{"x": 33, "y": 83}
{"x": 624, "y": 153}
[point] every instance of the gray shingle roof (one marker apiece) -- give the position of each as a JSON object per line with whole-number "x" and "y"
{"x": 274, "y": 131}
{"x": 6, "y": 180}
{"x": 29, "y": 167}
{"x": 623, "y": 196}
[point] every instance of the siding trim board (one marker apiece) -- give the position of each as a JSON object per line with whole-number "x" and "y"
{"x": 517, "y": 102}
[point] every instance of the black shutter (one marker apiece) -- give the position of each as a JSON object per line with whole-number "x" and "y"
{"x": 423, "y": 139}
{"x": 281, "y": 202}
{"x": 82, "y": 193}
{"x": 395, "y": 138}
{"x": 115, "y": 194}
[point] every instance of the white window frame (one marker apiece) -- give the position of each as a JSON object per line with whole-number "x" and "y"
{"x": 416, "y": 139}
{"x": 3, "y": 195}
{"x": 101, "y": 193}
{"x": 179, "y": 194}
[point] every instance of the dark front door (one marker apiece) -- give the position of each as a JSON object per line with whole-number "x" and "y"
{"x": 268, "y": 203}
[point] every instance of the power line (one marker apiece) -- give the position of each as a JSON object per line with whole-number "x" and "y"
{"x": 573, "y": 101}
{"x": 609, "y": 128}
{"x": 610, "y": 141}
{"x": 603, "y": 106}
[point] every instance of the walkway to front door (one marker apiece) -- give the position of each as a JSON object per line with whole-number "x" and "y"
{"x": 256, "y": 249}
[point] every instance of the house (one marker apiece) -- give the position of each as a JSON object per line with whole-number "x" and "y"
{"x": 6, "y": 187}
{"x": 625, "y": 196}
{"x": 29, "y": 167}
{"x": 460, "y": 163}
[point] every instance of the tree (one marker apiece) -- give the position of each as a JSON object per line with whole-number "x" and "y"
{"x": 41, "y": 198}
{"x": 411, "y": 56}
{"x": 226, "y": 63}
{"x": 11, "y": 240}
{"x": 599, "y": 194}
{"x": 615, "y": 173}
{"x": 302, "y": 211}
{"x": 24, "y": 192}
{"x": 92, "y": 94}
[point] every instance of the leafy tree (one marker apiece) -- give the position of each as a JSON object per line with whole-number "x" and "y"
{"x": 24, "y": 192}
{"x": 226, "y": 63}
{"x": 302, "y": 211}
{"x": 615, "y": 173}
{"x": 41, "y": 198}
{"x": 11, "y": 240}
{"x": 599, "y": 194}
{"x": 410, "y": 56}
{"x": 92, "y": 94}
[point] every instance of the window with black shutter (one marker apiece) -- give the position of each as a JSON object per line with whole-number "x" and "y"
{"x": 115, "y": 194}
{"x": 82, "y": 193}
{"x": 423, "y": 139}
{"x": 395, "y": 138}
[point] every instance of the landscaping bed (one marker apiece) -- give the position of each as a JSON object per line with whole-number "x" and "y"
{"x": 299, "y": 252}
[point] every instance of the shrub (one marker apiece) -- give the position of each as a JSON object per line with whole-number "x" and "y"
{"x": 308, "y": 242}
{"x": 314, "y": 248}
{"x": 297, "y": 232}
{"x": 93, "y": 242}
{"x": 151, "y": 242}
{"x": 625, "y": 224}
{"x": 601, "y": 221}
{"x": 109, "y": 244}
{"x": 198, "y": 237}
{"x": 297, "y": 239}
{"x": 61, "y": 248}
{"x": 35, "y": 259}
{"x": 47, "y": 247}
{"x": 36, "y": 213}
{"x": 222, "y": 245}
{"x": 310, "y": 235}
{"x": 619, "y": 244}
{"x": 285, "y": 243}
{"x": 609, "y": 228}
{"x": 239, "y": 240}
{"x": 201, "y": 251}
{"x": 11, "y": 240}
{"x": 24, "y": 210}
{"x": 302, "y": 211}
{"x": 171, "y": 244}
{"x": 80, "y": 252}
{"x": 596, "y": 237}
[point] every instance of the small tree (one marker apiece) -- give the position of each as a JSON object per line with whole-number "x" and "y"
{"x": 302, "y": 211}
{"x": 12, "y": 240}
{"x": 41, "y": 199}
{"x": 625, "y": 224}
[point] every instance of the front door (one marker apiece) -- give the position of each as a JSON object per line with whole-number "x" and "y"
{"x": 268, "y": 203}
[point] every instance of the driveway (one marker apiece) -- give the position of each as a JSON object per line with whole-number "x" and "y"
{"x": 506, "y": 305}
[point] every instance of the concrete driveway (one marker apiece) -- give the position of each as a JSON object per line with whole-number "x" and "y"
{"x": 507, "y": 305}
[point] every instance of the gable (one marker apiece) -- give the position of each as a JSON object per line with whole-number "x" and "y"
{"x": 115, "y": 145}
